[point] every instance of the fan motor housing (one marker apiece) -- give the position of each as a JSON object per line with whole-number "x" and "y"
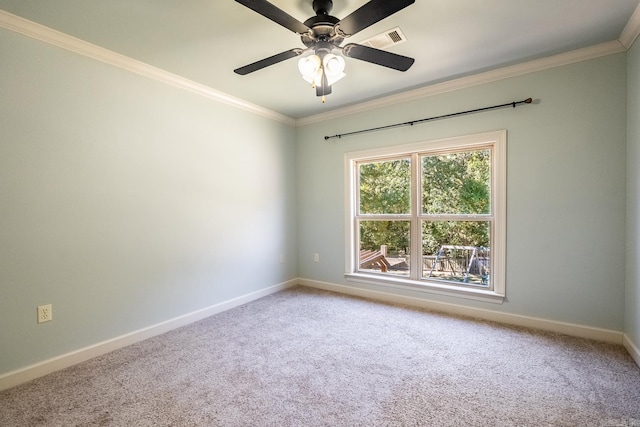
{"x": 322, "y": 25}
{"x": 322, "y": 29}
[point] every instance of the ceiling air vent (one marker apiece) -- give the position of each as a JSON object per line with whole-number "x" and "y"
{"x": 386, "y": 39}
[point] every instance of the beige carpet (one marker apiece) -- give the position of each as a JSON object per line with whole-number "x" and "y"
{"x": 304, "y": 357}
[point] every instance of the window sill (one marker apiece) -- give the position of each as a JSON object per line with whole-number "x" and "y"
{"x": 427, "y": 287}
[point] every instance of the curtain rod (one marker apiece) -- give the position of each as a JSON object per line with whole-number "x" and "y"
{"x": 444, "y": 116}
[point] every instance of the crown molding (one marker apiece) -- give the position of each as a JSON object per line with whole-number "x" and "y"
{"x": 56, "y": 38}
{"x": 558, "y": 60}
{"x": 631, "y": 30}
{"x": 73, "y": 44}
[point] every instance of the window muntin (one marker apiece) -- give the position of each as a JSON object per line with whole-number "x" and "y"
{"x": 455, "y": 217}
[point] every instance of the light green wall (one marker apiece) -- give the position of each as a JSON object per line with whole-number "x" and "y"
{"x": 632, "y": 297}
{"x": 121, "y": 203}
{"x": 125, "y": 202}
{"x": 566, "y": 186}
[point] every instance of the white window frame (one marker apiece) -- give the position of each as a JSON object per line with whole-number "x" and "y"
{"x": 497, "y": 142}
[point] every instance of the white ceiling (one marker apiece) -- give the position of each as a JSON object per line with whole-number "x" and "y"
{"x": 205, "y": 40}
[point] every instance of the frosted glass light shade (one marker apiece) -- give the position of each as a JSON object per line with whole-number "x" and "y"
{"x": 333, "y": 67}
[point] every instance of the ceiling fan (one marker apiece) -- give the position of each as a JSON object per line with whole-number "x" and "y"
{"x": 323, "y": 34}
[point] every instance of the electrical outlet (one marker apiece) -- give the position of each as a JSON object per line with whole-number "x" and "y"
{"x": 45, "y": 313}
{"x": 281, "y": 259}
{"x": 316, "y": 257}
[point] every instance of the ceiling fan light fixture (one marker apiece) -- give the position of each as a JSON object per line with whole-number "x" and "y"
{"x": 333, "y": 79}
{"x": 333, "y": 66}
{"x": 311, "y": 68}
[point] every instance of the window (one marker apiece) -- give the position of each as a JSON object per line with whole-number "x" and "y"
{"x": 429, "y": 216}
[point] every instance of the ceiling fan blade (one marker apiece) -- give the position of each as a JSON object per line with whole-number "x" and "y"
{"x": 377, "y": 56}
{"x": 258, "y": 65}
{"x": 275, "y": 14}
{"x": 370, "y": 13}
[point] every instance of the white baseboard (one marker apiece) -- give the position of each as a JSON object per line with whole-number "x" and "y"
{"x": 20, "y": 376}
{"x": 633, "y": 349}
{"x": 572, "y": 329}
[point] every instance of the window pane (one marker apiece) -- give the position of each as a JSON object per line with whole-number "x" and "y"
{"x": 385, "y": 187}
{"x": 384, "y": 247}
{"x": 457, "y": 251}
{"x": 457, "y": 183}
